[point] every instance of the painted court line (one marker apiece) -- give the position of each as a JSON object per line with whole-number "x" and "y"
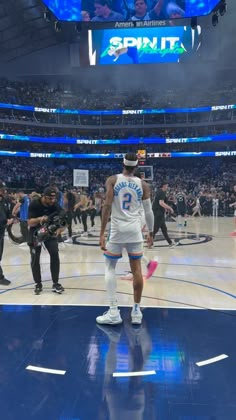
{"x": 45, "y": 370}
{"x": 213, "y": 360}
{"x": 123, "y": 305}
{"x": 128, "y": 374}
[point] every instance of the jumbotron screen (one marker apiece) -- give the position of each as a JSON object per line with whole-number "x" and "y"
{"x": 128, "y": 10}
{"x": 170, "y": 44}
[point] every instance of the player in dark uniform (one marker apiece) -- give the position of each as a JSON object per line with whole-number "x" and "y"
{"x": 181, "y": 207}
{"x": 159, "y": 208}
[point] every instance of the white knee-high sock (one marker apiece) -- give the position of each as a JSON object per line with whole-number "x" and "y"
{"x": 110, "y": 279}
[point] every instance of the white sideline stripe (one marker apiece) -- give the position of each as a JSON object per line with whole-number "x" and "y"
{"x": 126, "y": 374}
{"x": 213, "y": 360}
{"x": 45, "y": 370}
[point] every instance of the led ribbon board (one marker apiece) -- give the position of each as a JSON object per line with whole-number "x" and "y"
{"x": 116, "y": 111}
{"x": 72, "y": 10}
{"x": 45, "y": 155}
{"x": 129, "y": 141}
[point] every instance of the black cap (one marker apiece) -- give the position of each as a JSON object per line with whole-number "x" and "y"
{"x": 50, "y": 192}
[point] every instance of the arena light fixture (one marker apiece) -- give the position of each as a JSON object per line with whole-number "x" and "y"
{"x": 78, "y": 27}
{"x": 215, "y": 19}
{"x": 47, "y": 15}
{"x": 57, "y": 26}
{"x": 194, "y": 23}
{"x": 222, "y": 8}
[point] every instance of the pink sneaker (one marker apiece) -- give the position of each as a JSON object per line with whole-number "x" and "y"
{"x": 151, "y": 267}
{"x": 128, "y": 276}
{"x": 233, "y": 234}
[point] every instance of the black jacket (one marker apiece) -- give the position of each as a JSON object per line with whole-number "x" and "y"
{"x": 5, "y": 213}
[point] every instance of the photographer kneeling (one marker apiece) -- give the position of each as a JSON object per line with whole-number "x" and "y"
{"x": 46, "y": 222}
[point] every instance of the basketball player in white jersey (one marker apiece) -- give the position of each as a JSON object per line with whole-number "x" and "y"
{"x": 197, "y": 208}
{"x": 125, "y": 194}
{"x": 215, "y": 206}
{"x": 150, "y": 264}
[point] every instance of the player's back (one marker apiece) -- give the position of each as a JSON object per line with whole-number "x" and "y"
{"x": 180, "y": 198}
{"x": 126, "y": 211}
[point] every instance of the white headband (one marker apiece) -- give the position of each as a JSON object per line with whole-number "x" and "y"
{"x": 130, "y": 162}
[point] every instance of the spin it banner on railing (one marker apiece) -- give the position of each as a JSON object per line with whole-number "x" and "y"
{"x": 129, "y": 141}
{"x": 114, "y": 155}
{"x": 116, "y": 111}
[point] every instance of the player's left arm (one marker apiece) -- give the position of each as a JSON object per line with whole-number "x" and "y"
{"x": 106, "y": 210}
{"x": 149, "y": 216}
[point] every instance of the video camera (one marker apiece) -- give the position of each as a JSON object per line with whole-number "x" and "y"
{"x": 48, "y": 229}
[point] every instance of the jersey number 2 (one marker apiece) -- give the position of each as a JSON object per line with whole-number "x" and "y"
{"x": 126, "y": 201}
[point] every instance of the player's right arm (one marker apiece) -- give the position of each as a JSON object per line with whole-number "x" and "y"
{"x": 106, "y": 210}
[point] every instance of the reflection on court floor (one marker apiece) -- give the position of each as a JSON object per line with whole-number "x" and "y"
{"x": 57, "y": 363}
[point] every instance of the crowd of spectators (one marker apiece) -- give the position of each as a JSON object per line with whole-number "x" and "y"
{"x": 71, "y": 121}
{"x": 42, "y": 94}
{"x": 112, "y": 126}
{"x": 104, "y": 132}
{"x": 206, "y": 180}
{"x": 203, "y": 179}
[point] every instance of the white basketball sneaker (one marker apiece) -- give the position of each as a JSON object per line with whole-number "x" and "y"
{"x": 111, "y": 317}
{"x": 68, "y": 241}
{"x": 136, "y": 315}
{"x": 128, "y": 276}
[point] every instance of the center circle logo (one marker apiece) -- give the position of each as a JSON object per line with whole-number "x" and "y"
{"x": 184, "y": 239}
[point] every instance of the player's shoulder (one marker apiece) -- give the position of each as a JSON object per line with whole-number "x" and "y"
{"x": 111, "y": 180}
{"x": 143, "y": 182}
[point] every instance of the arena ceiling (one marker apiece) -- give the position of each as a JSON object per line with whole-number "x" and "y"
{"x": 24, "y": 30}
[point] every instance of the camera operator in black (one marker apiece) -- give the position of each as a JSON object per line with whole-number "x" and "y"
{"x": 39, "y": 213}
{"x": 5, "y": 219}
